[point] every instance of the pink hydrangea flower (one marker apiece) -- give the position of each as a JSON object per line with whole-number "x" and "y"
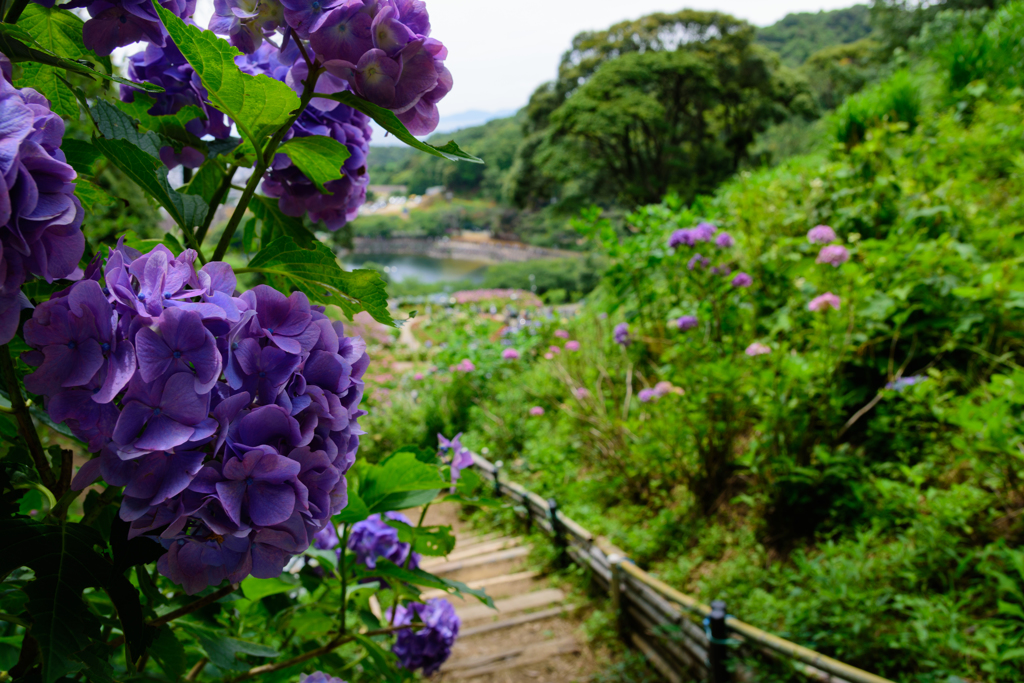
{"x": 536, "y": 411}
{"x": 757, "y": 349}
{"x": 646, "y": 395}
{"x": 824, "y": 302}
{"x": 510, "y": 354}
{"x": 418, "y": 376}
{"x": 561, "y": 334}
{"x": 554, "y": 349}
{"x": 665, "y": 387}
{"x": 834, "y": 255}
{"x": 581, "y": 393}
{"x": 821, "y": 234}
{"x": 465, "y": 365}
{"x": 572, "y": 345}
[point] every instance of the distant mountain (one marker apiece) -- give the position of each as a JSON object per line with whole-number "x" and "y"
{"x": 797, "y": 36}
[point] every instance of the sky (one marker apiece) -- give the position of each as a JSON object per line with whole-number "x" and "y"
{"x": 499, "y": 51}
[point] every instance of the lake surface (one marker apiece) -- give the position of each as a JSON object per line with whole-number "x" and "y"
{"x": 423, "y": 268}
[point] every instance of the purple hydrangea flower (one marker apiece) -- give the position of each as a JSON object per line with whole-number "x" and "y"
{"x": 319, "y": 677}
{"x": 821, "y": 234}
{"x": 834, "y": 254}
{"x": 724, "y": 240}
{"x": 621, "y": 334}
{"x": 824, "y": 302}
{"x": 646, "y": 395}
{"x": 117, "y": 23}
{"x": 428, "y": 647}
{"x": 373, "y": 539}
{"x": 238, "y": 423}
{"x": 40, "y": 217}
{"x": 326, "y": 538}
{"x": 686, "y": 322}
{"x": 903, "y": 382}
{"x": 460, "y": 456}
{"x": 742, "y": 280}
{"x": 698, "y": 260}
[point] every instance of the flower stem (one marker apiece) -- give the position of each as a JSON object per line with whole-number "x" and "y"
{"x": 215, "y": 201}
{"x": 342, "y": 570}
{"x": 24, "y": 418}
{"x": 182, "y": 611}
{"x": 308, "y": 90}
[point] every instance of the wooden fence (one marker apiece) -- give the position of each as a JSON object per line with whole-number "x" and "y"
{"x": 682, "y": 637}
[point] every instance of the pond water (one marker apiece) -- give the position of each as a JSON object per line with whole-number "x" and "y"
{"x": 423, "y": 268}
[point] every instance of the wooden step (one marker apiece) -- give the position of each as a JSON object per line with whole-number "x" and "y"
{"x": 472, "y": 550}
{"x": 463, "y": 663}
{"x": 483, "y": 566}
{"x": 532, "y": 654}
{"x": 528, "y": 618}
{"x": 518, "y": 603}
{"x": 496, "y": 587}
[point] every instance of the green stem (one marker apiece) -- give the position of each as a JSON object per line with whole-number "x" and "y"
{"x": 24, "y": 418}
{"x": 308, "y": 90}
{"x": 215, "y": 201}
{"x": 342, "y": 570}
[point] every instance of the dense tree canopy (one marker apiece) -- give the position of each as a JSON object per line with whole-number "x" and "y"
{"x": 797, "y": 36}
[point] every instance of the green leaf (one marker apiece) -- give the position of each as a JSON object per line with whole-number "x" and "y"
{"x": 206, "y": 180}
{"x": 319, "y": 157}
{"x": 150, "y": 174}
{"x": 435, "y": 541}
{"x": 258, "y": 105}
{"x": 169, "y": 126}
{"x": 418, "y": 577}
{"x": 257, "y": 589}
{"x": 92, "y": 196}
{"x": 81, "y": 155}
{"x": 398, "y": 473}
{"x": 249, "y": 236}
{"x": 387, "y": 120}
{"x": 380, "y": 660}
{"x": 20, "y": 47}
{"x": 280, "y": 225}
{"x": 169, "y": 653}
{"x": 355, "y": 511}
{"x": 47, "y": 81}
{"x": 114, "y": 124}
{"x": 317, "y": 273}
{"x": 223, "y": 652}
{"x": 65, "y": 564}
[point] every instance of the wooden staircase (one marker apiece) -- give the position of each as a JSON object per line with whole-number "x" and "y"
{"x": 531, "y": 636}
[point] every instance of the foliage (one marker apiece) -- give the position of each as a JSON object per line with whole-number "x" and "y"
{"x": 796, "y": 37}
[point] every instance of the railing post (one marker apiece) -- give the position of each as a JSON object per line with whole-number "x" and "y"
{"x": 497, "y": 479}
{"x": 557, "y": 531}
{"x": 718, "y": 647}
{"x": 616, "y": 590}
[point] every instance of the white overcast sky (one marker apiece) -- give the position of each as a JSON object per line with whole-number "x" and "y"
{"x": 500, "y": 50}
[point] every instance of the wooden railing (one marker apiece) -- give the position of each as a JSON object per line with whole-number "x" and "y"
{"x": 677, "y": 633}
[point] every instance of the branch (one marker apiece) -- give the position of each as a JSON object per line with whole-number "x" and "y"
{"x": 329, "y": 647}
{"x": 24, "y": 418}
{"x": 182, "y": 611}
{"x": 215, "y": 201}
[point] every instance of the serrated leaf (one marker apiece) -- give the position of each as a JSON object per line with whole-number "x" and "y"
{"x": 418, "y": 577}
{"x": 81, "y": 155}
{"x": 114, "y": 124}
{"x": 398, "y": 473}
{"x": 258, "y": 105}
{"x": 65, "y": 564}
{"x": 320, "y": 158}
{"x": 169, "y": 653}
{"x": 57, "y": 30}
{"x": 46, "y": 80}
{"x": 387, "y": 120}
{"x": 170, "y": 127}
{"x": 18, "y": 46}
{"x": 317, "y": 273}
{"x": 150, "y": 174}
{"x": 256, "y": 589}
{"x": 280, "y": 225}
{"x": 222, "y": 652}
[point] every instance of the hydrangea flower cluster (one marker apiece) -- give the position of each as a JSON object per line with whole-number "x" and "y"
{"x": 821, "y": 234}
{"x": 660, "y": 389}
{"x": 686, "y": 322}
{"x": 742, "y": 280}
{"x": 40, "y": 217}
{"x": 834, "y": 254}
{"x": 229, "y": 420}
{"x": 428, "y": 647}
{"x": 117, "y": 23}
{"x": 823, "y": 302}
{"x": 757, "y": 349}
{"x": 373, "y": 539}
{"x": 319, "y": 677}
{"x": 572, "y": 345}
{"x": 902, "y": 383}
{"x": 455, "y": 454}
{"x": 706, "y": 232}
{"x": 536, "y": 411}
{"x": 510, "y": 354}
{"x": 621, "y": 334}
{"x": 689, "y": 237}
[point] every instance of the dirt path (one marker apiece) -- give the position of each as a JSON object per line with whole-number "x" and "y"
{"x": 532, "y": 636}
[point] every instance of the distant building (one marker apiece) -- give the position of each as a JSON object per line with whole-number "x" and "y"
{"x": 434, "y": 191}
